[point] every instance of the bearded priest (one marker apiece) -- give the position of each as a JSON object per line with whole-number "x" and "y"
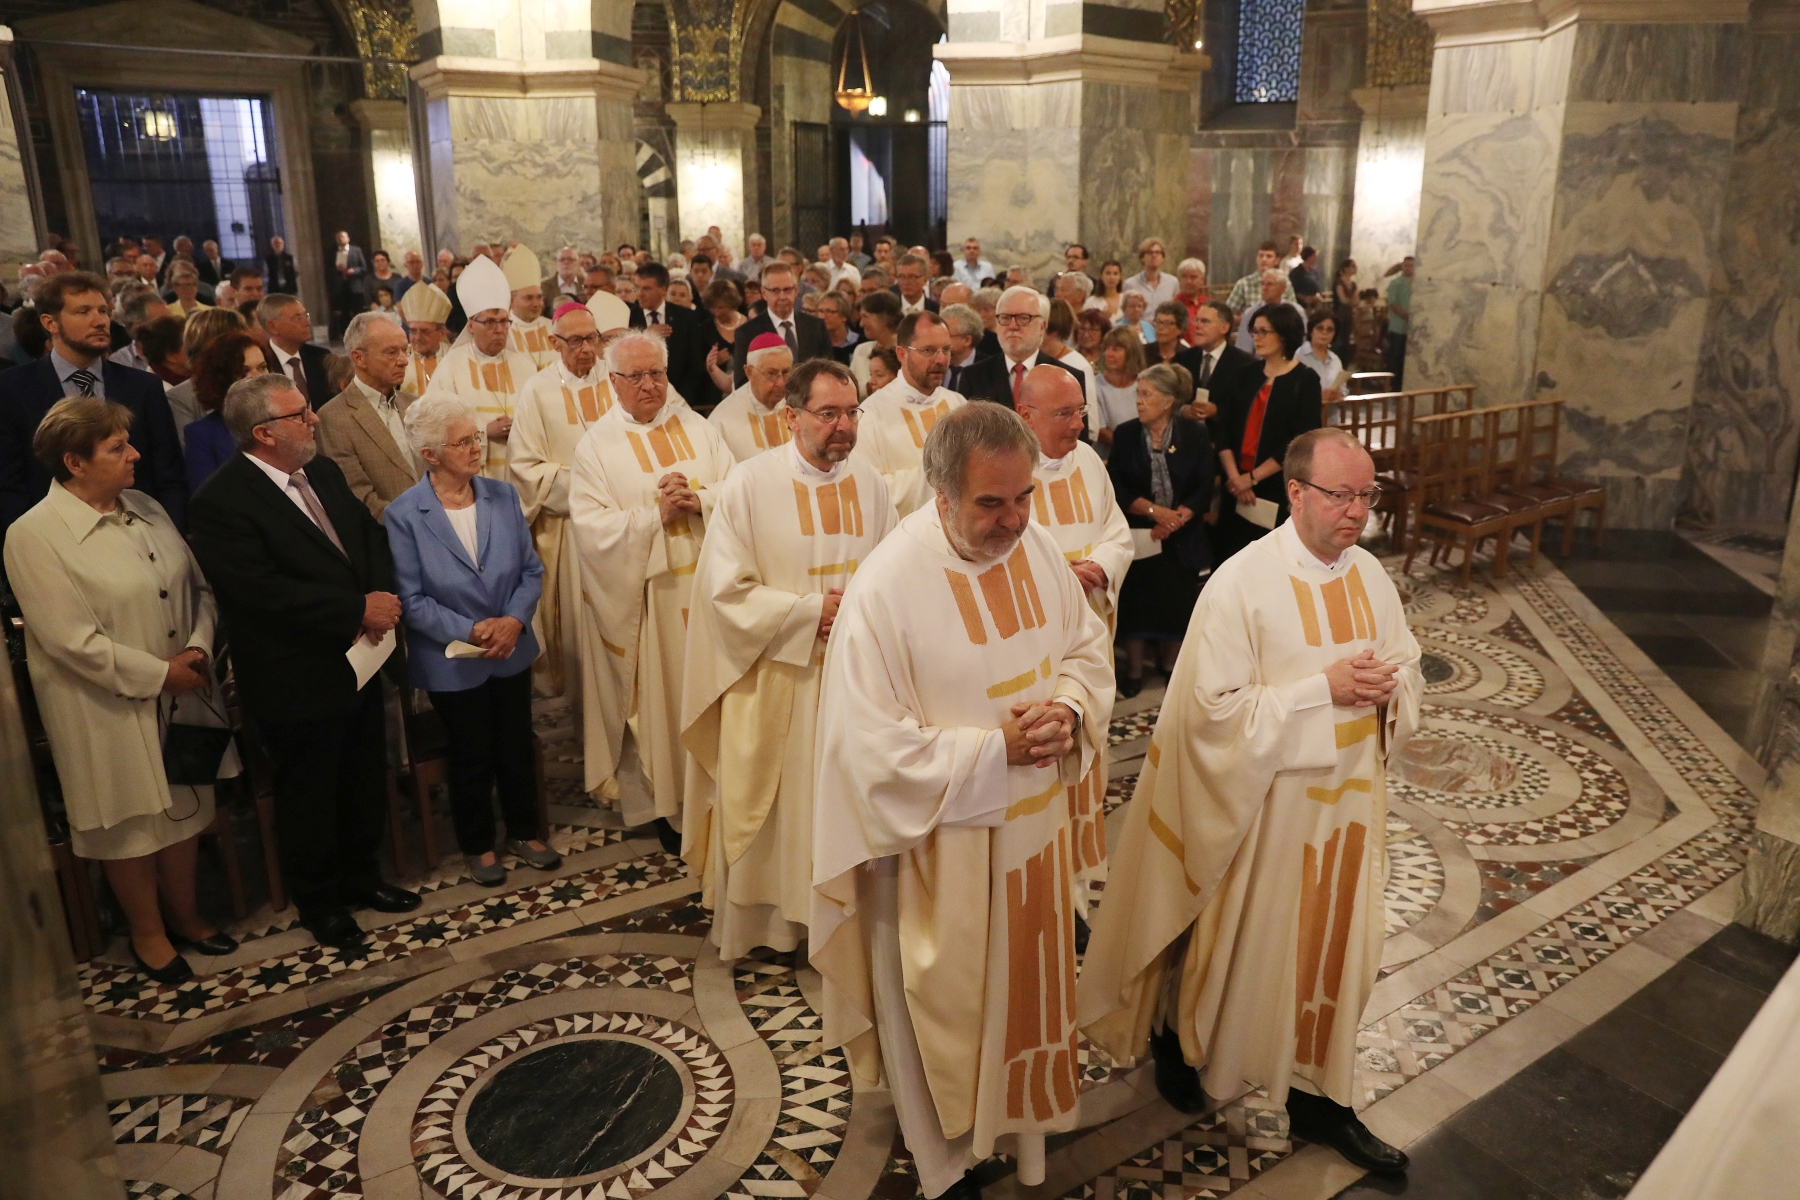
{"x": 786, "y": 535}
{"x": 898, "y": 417}
{"x": 968, "y": 687}
{"x": 1242, "y": 927}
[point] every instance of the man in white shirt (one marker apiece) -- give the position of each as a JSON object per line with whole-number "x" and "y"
{"x": 973, "y": 268}
{"x": 1156, "y": 287}
{"x": 752, "y": 264}
{"x": 839, "y": 264}
{"x": 1296, "y": 246}
{"x": 289, "y": 326}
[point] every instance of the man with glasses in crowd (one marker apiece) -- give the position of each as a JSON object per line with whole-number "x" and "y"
{"x": 301, "y": 571}
{"x": 750, "y": 419}
{"x": 639, "y": 494}
{"x": 486, "y": 372}
{"x": 289, "y": 327}
{"x": 803, "y": 333}
{"x": 1019, "y": 318}
{"x": 782, "y": 541}
{"x": 1266, "y": 783}
{"x": 898, "y": 417}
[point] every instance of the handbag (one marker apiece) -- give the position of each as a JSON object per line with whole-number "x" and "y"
{"x": 192, "y": 753}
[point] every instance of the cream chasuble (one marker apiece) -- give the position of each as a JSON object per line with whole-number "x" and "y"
{"x": 891, "y": 438}
{"x": 1074, "y": 503}
{"x": 532, "y": 339}
{"x": 747, "y": 427}
{"x": 1259, "y": 824}
{"x": 420, "y": 369}
{"x": 780, "y": 535}
{"x": 490, "y": 386}
{"x": 555, "y": 409}
{"x": 636, "y": 576}
{"x": 943, "y": 913}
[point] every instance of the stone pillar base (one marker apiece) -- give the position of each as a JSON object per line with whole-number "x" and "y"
{"x": 1771, "y": 903}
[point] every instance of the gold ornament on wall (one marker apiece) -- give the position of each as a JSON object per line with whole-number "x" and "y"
{"x": 1186, "y": 24}
{"x": 384, "y": 30}
{"x": 1399, "y": 45}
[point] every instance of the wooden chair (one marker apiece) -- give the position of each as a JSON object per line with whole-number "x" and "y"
{"x": 1382, "y": 422}
{"x": 1533, "y": 475}
{"x": 1455, "y": 502}
{"x": 1363, "y": 383}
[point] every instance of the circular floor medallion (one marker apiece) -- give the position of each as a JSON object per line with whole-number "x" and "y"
{"x": 575, "y": 1107}
{"x": 1436, "y": 668}
{"x": 1453, "y": 765}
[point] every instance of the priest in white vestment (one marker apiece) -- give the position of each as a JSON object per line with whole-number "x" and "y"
{"x": 751, "y": 419}
{"x": 424, "y": 308}
{"x": 968, "y": 686}
{"x": 530, "y": 332}
{"x": 1074, "y": 502}
{"x": 897, "y": 418}
{"x": 555, "y": 410}
{"x": 639, "y": 492}
{"x": 1241, "y": 930}
{"x": 786, "y": 535}
{"x": 485, "y": 372}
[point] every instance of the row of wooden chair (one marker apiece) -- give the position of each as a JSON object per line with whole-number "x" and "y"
{"x": 1383, "y": 423}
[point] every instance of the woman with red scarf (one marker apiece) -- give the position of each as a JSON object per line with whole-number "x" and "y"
{"x": 1258, "y": 426}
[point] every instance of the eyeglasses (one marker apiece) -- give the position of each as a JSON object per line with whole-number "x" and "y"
{"x": 467, "y": 443}
{"x": 927, "y": 351}
{"x": 640, "y": 378}
{"x": 832, "y": 416}
{"x": 577, "y": 339}
{"x": 491, "y": 322}
{"x": 1066, "y": 414}
{"x": 1016, "y": 318}
{"x": 1341, "y": 498}
{"x": 293, "y": 416}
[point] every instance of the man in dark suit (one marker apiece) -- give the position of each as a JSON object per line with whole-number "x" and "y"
{"x": 350, "y": 272}
{"x": 909, "y": 275}
{"x": 301, "y": 571}
{"x": 214, "y": 269}
{"x": 278, "y": 267}
{"x": 680, "y": 328}
{"x": 1020, "y": 314}
{"x": 289, "y": 327}
{"x": 73, "y": 308}
{"x": 805, "y": 334}
{"x": 1219, "y": 368}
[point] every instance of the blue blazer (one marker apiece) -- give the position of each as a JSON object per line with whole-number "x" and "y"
{"x": 443, "y": 594}
{"x": 209, "y": 447}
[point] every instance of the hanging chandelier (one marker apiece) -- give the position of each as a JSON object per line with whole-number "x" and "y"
{"x": 857, "y": 99}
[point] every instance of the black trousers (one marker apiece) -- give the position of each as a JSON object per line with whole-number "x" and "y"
{"x": 490, "y": 741}
{"x": 1396, "y": 357}
{"x": 330, "y": 801}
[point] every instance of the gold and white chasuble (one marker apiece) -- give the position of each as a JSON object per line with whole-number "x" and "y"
{"x": 891, "y": 438}
{"x": 747, "y": 427}
{"x": 1074, "y": 502}
{"x": 943, "y": 908}
{"x": 555, "y": 409}
{"x": 780, "y": 535}
{"x": 532, "y": 339}
{"x": 419, "y": 370}
{"x": 489, "y": 386}
{"x": 1258, "y": 832}
{"x": 636, "y": 577}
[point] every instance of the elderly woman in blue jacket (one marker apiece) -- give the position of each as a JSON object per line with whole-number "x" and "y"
{"x": 469, "y": 580}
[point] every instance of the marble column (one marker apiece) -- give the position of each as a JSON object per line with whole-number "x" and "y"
{"x": 389, "y": 177}
{"x": 1068, "y": 122}
{"x": 528, "y": 108}
{"x": 1771, "y": 901}
{"x": 1572, "y": 196}
{"x": 1390, "y": 161}
{"x": 18, "y": 225}
{"x": 715, "y": 167}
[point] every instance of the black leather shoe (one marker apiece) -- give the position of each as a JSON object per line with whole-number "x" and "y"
{"x": 1328, "y": 1123}
{"x": 1082, "y": 933}
{"x": 1178, "y": 1082}
{"x": 1129, "y": 686}
{"x": 176, "y": 970}
{"x": 334, "y": 927}
{"x": 214, "y": 946}
{"x": 965, "y": 1188}
{"x": 385, "y": 898}
{"x": 668, "y": 835}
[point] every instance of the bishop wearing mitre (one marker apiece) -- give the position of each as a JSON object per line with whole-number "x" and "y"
{"x": 424, "y": 308}
{"x": 752, "y": 418}
{"x": 787, "y": 533}
{"x": 640, "y": 490}
{"x": 530, "y": 333}
{"x": 485, "y": 372}
{"x": 898, "y": 418}
{"x": 556, "y": 408}
{"x": 1242, "y": 928}
{"x": 968, "y": 686}
{"x": 1074, "y": 502}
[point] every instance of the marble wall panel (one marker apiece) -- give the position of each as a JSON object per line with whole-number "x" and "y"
{"x": 1200, "y": 204}
{"x": 1389, "y": 178}
{"x": 396, "y": 195}
{"x": 1242, "y": 181}
{"x": 1131, "y": 182}
{"x": 525, "y": 168}
{"x": 1512, "y": 77}
{"x": 1648, "y": 63}
{"x": 1019, "y": 191}
{"x": 1326, "y": 212}
{"x": 1473, "y": 331}
{"x": 18, "y": 235}
{"x": 1287, "y": 194}
{"x": 1486, "y": 195}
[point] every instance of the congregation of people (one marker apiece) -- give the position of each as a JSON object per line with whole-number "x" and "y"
{"x": 722, "y": 506}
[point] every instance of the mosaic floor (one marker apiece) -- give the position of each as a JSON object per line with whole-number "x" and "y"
{"x": 1561, "y": 802}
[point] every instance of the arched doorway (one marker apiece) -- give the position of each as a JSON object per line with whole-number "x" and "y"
{"x": 889, "y": 159}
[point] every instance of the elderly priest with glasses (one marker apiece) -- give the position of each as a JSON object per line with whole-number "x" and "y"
{"x": 1242, "y": 926}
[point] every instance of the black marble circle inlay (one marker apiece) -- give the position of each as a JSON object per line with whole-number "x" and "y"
{"x": 574, "y": 1108}
{"x": 1436, "y": 669}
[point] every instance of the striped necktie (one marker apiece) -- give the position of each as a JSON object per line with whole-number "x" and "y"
{"x": 84, "y": 381}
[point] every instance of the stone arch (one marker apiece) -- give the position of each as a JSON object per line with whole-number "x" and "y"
{"x": 656, "y": 184}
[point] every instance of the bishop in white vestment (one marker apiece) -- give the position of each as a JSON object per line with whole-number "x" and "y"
{"x": 1242, "y": 928}
{"x": 424, "y": 309}
{"x": 897, "y": 418}
{"x": 968, "y": 686}
{"x": 639, "y": 491}
{"x": 484, "y": 372}
{"x": 751, "y": 418}
{"x": 787, "y": 533}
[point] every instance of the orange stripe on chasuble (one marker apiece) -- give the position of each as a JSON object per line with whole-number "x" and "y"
{"x": 1154, "y": 754}
{"x": 678, "y": 438}
{"x": 1362, "y": 613}
{"x": 637, "y": 448}
{"x": 1084, "y": 507}
{"x": 1349, "y": 875}
{"x": 569, "y": 412}
{"x": 1309, "y": 616}
{"x": 830, "y": 516}
{"x": 1333, "y": 795}
{"x": 1015, "y": 1090}
{"x": 912, "y": 427}
{"x": 1351, "y": 732}
{"x": 1173, "y": 845}
{"x": 1059, "y": 500}
{"x": 1040, "y": 503}
{"x": 997, "y": 590}
{"x": 661, "y": 447}
{"x": 423, "y": 370}
{"x": 1337, "y": 610}
{"x": 837, "y": 568}
{"x": 966, "y": 606}
{"x": 803, "y": 504}
{"x": 757, "y": 433}
{"x": 1034, "y": 804}
{"x": 775, "y": 430}
{"x": 1031, "y": 606}
{"x": 1315, "y": 911}
{"x": 1025, "y": 900}
{"x": 852, "y": 504}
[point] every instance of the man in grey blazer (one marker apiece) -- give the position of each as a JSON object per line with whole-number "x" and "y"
{"x": 363, "y": 430}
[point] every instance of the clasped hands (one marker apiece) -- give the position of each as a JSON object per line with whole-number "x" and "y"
{"x": 497, "y": 635}
{"x": 1091, "y": 573}
{"x": 187, "y": 672}
{"x": 828, "y": 611}
{"x": 1168, "y": 520}
{"x": 1361, "y": 682}
{"x": 1242, "y": 487}
{"x": 1039, "y": 734}
{"x": 674, "y": 498}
